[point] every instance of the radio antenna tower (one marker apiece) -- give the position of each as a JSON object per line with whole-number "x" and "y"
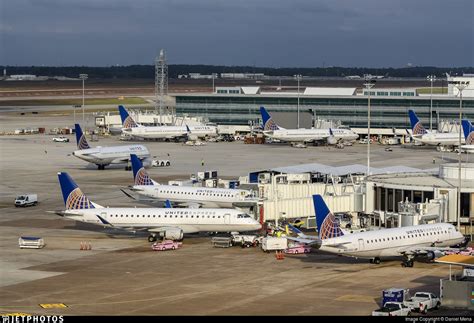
{"x": 161, "y": 82}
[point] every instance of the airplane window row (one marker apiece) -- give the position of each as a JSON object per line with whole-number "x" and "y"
{"x": 165, "y": 216}
{"x": 404, "y": 237}
{"x": 192, "y": 193}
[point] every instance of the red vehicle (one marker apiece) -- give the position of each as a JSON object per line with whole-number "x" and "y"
{"x": 166, "y": 245}
{"x": 298, "y": 249}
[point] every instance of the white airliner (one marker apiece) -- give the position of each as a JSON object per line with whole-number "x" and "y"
{"x": 468, "y": 136}
{"x": 167, "y": 222}
{"x": 186, "y": 195}
{"x": 332, "y": 136}
{"x": 420, "y": 134}
{"x": 130, "y": 127}
{"x": 103, "y": 156}
{"x": 429, "y": 240}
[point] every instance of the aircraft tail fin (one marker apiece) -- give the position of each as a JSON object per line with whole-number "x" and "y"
{"x": 416, "y": 126}
{"x": 140, "y": 175}
{"x": 328, "y": 225}
{"x": 73, "y": 197}
{"x": 267, "y": 120}
{"x": 468, "y": 131}
{"x": 81, "y": 138}
{"x": 127, "y": 120}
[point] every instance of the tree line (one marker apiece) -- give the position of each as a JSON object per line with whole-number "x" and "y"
{"x": 148, "y": 71}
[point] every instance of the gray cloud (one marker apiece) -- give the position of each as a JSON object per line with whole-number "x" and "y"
{"x": 244, "y": 32}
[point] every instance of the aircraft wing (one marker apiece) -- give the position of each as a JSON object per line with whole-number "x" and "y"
{"x": 139, "y": 199}
{"x": 191, "y": 205}
{"x": 423, "y": 250}
{"x": 185, "y": 227}
{"x": 304, "y": 240}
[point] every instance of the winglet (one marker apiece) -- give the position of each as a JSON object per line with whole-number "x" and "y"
{"x": 168, "y": 204}
{"x": 187, "y": 129}
{"x": 330, "y": 132}
{"x": 140, "y": 175}
{"x": 294, "y": 229}
{"x": 104, "y": 221}
{"x": 81, "y": 138}
{"x": 328, "y": 225}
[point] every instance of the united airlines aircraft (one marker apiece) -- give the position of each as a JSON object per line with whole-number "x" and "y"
{"x": 130, "y": 127}
{"x": 167, "y": 222}
{"x": 103, "y": 156}
{"x": 332, "y": 136}
{"x": 186, "y": 195}
{"x": 429, "y": 240}
{"x": 420, "y": 134}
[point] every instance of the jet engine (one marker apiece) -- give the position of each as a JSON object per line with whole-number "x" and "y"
{"x": 432, "y": 255}
{"x": 172, "y": 234}
{"x": 332, "y": 140}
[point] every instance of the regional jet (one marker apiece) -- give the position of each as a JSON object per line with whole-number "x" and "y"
{"x": 103, "y": 156}
{"x": 189, "y": 196}
{"x": 420, "y": 134}
{"x": 332, "y": 136}
{"x": 428, "y": 240}
{"x": 131, "y": 128}
{"x": 468, "y": 136}
{"x": 167, "y": 222}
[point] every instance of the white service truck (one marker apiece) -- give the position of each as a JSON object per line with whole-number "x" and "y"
{"x": 392, "y": 309}
{"x": 274, "y": 244}
{"x": 423, "y": 302}
{"x": 26, "y": 200}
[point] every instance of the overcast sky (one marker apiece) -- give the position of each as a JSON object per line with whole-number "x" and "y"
{"x": 274, "y": 33}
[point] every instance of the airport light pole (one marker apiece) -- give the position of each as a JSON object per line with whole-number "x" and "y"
{"x": 431, "y": 78}
{"x": 213, "y": 91}
{"x": 83, "y": 77}
{"x": 298, "y": 78}
{"x": 369, "y": 83}
{"x": 460, "y": 85}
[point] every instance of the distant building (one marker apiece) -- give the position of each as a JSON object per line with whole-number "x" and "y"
{"x": 22, "y": 77}
{"x": 468, "y": 92}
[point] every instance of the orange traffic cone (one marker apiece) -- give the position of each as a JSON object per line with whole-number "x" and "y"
{"x": 90, "y": 246}
{"x": 82, "y": 246}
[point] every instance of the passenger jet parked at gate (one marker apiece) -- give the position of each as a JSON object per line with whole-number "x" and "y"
{"x": 468, "y": 136}
{"x": 167, "y": 222}
{"x": 429, "y": 240}
{"x": 332, "y": 136}
{"x": 189, "y": 196}
{"x": 130, "y": 127}
{"x": 103, "y": 156}
{"x": 420, "y": 134}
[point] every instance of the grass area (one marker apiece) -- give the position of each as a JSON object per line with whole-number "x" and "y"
{"x": 436, "y": 90}
{"x": 93, "y": 101}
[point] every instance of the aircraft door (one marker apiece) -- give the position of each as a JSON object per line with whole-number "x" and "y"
{"x": 361, "y": 244}
{"x": 227, "y": 218}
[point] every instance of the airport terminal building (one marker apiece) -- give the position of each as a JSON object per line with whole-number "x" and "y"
{"x": 389, "y": 107}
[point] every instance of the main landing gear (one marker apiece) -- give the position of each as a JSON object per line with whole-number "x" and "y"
{"x": 100, "y": 167}
{"x": 152, "y": 238}
{"x": 407, "y": 262}
{"x": 375, "y": 260}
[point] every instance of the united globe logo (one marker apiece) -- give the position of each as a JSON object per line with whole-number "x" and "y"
{"x": 129, "y": 123}
{"x": 77, "y": 200}
{"x": 330, "y": 227}
{"x": 418, "y": 129}
{"x": 270, "y": 125}
{"x": 142, "y": 178}
{"x": 83, "y": 143}
{"x": 470, "y": 138}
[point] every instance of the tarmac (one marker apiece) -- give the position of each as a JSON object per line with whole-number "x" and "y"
{"x": 121, "y": 275}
